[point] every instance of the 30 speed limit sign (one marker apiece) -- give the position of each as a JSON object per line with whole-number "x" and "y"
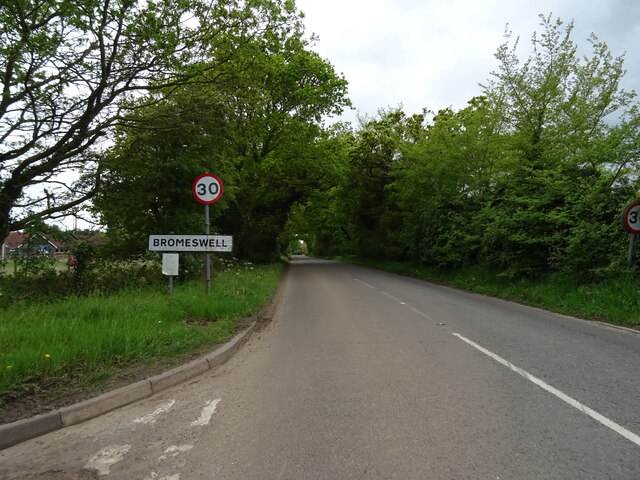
{"x": 207, "y": 188}
{"x": 631, "y": 217}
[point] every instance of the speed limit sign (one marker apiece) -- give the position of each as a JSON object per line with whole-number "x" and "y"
{"x": 207, "y": 188}
{"x": 631, "y": 217}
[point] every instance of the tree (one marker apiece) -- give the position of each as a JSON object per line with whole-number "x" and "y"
{"x": 259, "y": 130}
{"x": 276, "y": 117}
{"x": 67, "y": 67}
{"x": 442, "y": 182}
{"x": 572, "y": 135}
{"x": 363, "y": 197}
{"x": 357, "y": 212}
{"x": 319, "y": 218}
{"x": 148, "y": 173}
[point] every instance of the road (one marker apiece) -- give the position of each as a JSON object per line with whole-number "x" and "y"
{"x": 368, "y": 375}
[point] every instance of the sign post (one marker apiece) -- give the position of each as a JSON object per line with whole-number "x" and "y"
{"x": 185, "y": 243}
{"x": 631, "y": 221}
{"x": 207, "y": 189}
{"x": 170, "y": 268}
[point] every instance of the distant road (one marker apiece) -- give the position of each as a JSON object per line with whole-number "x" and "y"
{"x": 369, "y": 375}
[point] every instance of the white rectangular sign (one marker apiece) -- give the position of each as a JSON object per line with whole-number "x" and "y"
{"x": 191, "y": 243}
{"x": 170, "y": 264}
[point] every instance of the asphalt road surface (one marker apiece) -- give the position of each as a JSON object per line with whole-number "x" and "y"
{"x": 369, "y": 375}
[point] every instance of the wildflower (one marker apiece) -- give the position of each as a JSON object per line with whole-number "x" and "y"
{"x": 46, "y": 355}
{"x": 9, "y": 366}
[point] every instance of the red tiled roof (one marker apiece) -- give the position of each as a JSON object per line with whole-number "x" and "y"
{"x": 15, "y": 239}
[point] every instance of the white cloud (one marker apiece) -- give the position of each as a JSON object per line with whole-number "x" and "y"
{"x": 434, "y": 53}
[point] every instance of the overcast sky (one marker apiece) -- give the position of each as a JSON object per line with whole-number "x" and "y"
{"x": 434, "y": 53}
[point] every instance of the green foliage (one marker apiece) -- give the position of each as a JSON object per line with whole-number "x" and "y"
{"x": 365, "y": 207}
{"x": 555, "y": 207}
{"x": 443, "y": 182}
{"x": 70, "y": 69}
{"x": 528, "y": 179}
{"x": 43, "y": 344}
{"x": 317, "y": 217}
{"x": 82, "y": 261}
{"x": 146, "y": 187}
{"x": 259, "y": 130}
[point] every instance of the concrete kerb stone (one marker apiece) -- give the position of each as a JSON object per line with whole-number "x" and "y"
{"x": 26, "y": 429}
{"x": 224, "y": 353}
{"x": 16, "y": 432}
{"x": 106, "y": 402}
{"x": 179, "y": 374}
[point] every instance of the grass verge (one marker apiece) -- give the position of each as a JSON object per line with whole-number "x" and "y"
{"x": 615, "y": 300}
{"x": 91, "y": 337}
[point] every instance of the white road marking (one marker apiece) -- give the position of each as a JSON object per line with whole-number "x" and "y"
{"x": 205, "y": 415}
{"x": 154, "y": 476}
{"x": 554, "y": 391}
{"x": 413, "y": 309}
{"x": 545, "y": 386}
{"x": 153, "y": 416}
{"x": 175, "y": 450}
{"x": 105, "y": 458}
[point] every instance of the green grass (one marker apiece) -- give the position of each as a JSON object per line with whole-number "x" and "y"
{"x": 9, "y": 266}
{"x": 90, "y": 337}
{"x": 615, "y": 300}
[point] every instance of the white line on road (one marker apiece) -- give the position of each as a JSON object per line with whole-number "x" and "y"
{"x": 545, "y": 386}
{"x": 562, "y": 396}
{"x": 155, "y": 476}
{"x": 106, "y": 457}
{"x": 401, "y": 302}
{"x": 153, "y": 416}
{"x": 174, "y": 450}
{"x": 206, "y": 414}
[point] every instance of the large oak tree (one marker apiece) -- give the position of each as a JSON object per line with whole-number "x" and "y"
{"x": 68, "y": 72}
{"x": 259, "y": 128}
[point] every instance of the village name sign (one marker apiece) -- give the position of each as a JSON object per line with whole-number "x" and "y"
{"x": 207, "y": 189}
{"x": 191, "y": 243}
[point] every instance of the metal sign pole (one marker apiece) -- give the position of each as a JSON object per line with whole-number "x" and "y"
{"x": 207, "y": 257}
{"x": 207, "y": 189}
{"x": 631, "y": 222}
{"x": 632, "y": 249}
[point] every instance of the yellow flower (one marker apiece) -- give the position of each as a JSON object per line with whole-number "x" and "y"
{"x": 46, "y": 355}
{"x": 9, "y": 366}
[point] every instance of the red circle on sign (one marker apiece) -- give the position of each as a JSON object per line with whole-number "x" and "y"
{"x": 207, "y": 188}
{"x": 631, "y": 217}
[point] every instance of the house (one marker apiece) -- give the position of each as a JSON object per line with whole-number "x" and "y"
{"x": 19, "y": 243}
{"x": 10, "y": 244}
